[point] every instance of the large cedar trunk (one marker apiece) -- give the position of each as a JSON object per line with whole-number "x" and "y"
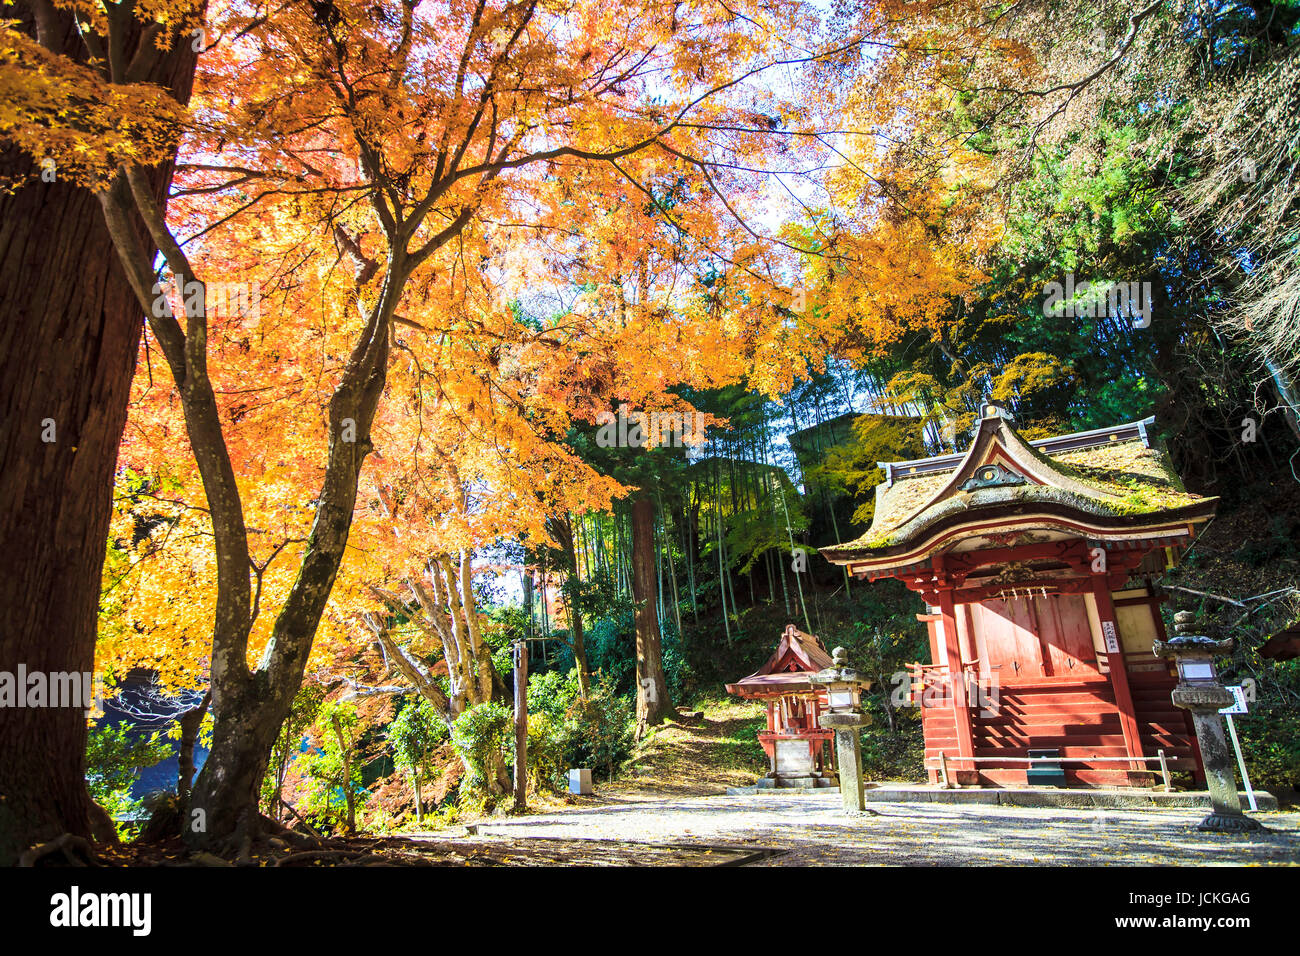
{"x": 69, "y": 336}
{"x": 652, "y": 703}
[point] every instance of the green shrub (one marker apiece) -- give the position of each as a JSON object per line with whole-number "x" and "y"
{"x": 1270, "y": 742}
{"x": 547, "y": 765}
{"x": 415, "y": 736}
{"x": 678, "y": 674}
{"x": 595, "y": 733}
{"x": 113, "y": 760}
{"x": 611, "y": 652}
{"x": 479, "y": 732}
{"x": 598, "y": 731}
{"x": 893, "y": 756}
{"x": 611, "y": 649}
{"x": 332, "y": 769}
{"x": 551, "y": 693}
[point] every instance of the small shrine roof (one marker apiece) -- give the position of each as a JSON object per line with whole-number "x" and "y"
{"x": 797, "y": 656}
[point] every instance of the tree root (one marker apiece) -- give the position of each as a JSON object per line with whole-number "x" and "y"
{"x": 76, "y": 851}
{"x": 353, "y": 857}
{"x": 164, "y": 819}
{"x": 274, "y": 829}
{"x": 102, "y": 829}
{"x": 288, "y": 806}
{"x": 256, "y": 830}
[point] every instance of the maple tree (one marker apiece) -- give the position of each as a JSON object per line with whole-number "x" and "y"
{"x": 415, "y": 253}
{"x": 321, "y": 144}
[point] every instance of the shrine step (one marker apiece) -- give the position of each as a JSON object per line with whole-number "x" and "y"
{"x": 1063, "y": 695}
{"x": 1091, "y": 719}
{"x": 784, "y": 782}
{"x": 1106, "y": 747}
{"x": 1080, "y": 705}
{"x": 1168, "y": 735}
{"x": 1050, "y": 736}
{"x": 1077, "y": 777}
{"x": 1005, "y": 706}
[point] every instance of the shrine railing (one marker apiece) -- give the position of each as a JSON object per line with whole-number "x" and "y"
{"x": 933, "y": 685}
{"x": 943, "y": 758}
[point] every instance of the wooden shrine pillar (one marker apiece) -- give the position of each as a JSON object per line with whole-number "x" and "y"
{"x": 1118, "y": 668}
{"x": 956, "y": 673}
{"x": 771, "y": 728}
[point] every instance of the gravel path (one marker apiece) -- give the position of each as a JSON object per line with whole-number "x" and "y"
{"x": 812, "y": 828}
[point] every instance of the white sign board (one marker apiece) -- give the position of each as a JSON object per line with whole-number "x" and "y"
{"x": 793, "y": 757}
{"x": 580, "y": 781}
{"x": 1196, "y": 670}
{"x": 1112, "y": 639}
{"x": 1238, "y": 705}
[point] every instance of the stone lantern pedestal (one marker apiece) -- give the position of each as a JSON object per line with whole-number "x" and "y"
{"x": 1200, "y": 693}
{"x": 846, "y": 719}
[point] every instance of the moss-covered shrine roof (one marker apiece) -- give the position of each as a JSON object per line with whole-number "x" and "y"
{"x": 1106, "y": 478}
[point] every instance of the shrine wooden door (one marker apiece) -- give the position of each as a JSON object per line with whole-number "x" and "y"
{"x": 1036, "y": 637}
{"x": 1066, "y": 635}
{"x": 1010, "y": 638}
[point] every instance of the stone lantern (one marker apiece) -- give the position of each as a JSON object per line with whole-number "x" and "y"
{"x": 1200, "y": 693}
{"x": 845, "y": 717}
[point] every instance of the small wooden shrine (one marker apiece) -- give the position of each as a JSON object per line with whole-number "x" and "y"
{"x": 799, "y": 752}
{"x": 1035, "y": 561}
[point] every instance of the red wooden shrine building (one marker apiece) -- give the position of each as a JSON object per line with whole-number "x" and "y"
{"x": 799, "y": 752}
{"x": 1035, "y": 561}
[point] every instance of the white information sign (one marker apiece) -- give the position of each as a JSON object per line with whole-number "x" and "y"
{"x": 1238, "y": 705}
{"x": 1112, "y": 638}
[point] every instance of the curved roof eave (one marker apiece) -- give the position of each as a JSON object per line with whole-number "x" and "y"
{"x": 1054, "y": 506}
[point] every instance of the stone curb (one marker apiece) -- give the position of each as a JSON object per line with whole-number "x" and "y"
{"x": 1100, "y": 799}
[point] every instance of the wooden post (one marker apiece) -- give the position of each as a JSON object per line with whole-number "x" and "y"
{"x": 1118, "y": 670}
{"x": 957, "y": 675}
{"x": 521, "y": 726}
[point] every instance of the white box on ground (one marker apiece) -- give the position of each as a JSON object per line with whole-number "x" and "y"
{"x": 580, "y": 781}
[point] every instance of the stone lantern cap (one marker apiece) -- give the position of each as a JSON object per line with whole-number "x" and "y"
{"x": 839, "y": 672}
{"x": 1189, "y": 645}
